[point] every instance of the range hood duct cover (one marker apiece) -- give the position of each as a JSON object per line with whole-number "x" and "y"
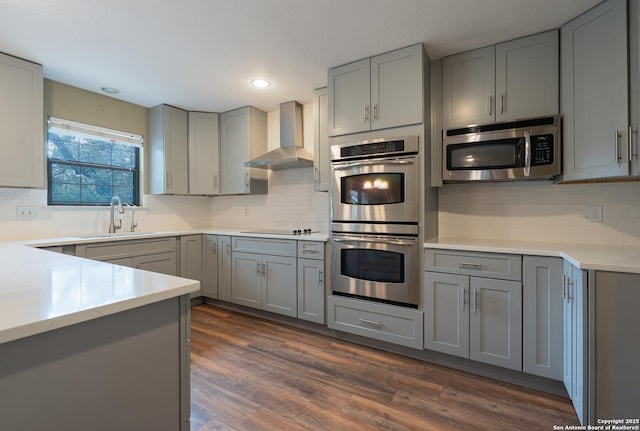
{"x": 291, "y": 153}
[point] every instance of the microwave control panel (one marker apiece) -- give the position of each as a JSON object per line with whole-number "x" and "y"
{"x": 542, "y": 150}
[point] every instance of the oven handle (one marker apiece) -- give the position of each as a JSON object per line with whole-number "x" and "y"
{"x": 387, "y": 161}
{"x": 375, "y": 240}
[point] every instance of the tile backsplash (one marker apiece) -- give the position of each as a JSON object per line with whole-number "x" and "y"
{"x": 541, "y": 211}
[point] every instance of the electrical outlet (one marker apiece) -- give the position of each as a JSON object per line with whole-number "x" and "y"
{"x": 246, "y": 211}
{"x": 26, "y": 213}
{"x": 594, "y": 213}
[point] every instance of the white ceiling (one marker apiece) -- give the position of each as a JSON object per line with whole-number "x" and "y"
{"x": 201, "y": 54}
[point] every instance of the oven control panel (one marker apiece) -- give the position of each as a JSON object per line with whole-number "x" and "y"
{"x": 542, "y": 150}
{"x": 375, "y": 148}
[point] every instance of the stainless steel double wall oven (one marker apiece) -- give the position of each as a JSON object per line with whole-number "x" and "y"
{"x": 374, "y": 219}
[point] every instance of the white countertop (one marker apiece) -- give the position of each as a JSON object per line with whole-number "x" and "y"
{"x": 594, "y": 257}
{"x": 41, "y": 291}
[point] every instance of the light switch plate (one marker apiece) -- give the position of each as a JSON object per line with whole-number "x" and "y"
{"x": 26, "y": 212}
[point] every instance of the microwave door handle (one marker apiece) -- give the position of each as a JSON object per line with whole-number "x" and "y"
{"x": 527, "y": 153}
{"x": 374, "y": 240}
{"x": 372, "y": 162}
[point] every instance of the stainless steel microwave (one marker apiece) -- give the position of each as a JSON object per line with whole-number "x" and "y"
{"x": 517, "y": 150}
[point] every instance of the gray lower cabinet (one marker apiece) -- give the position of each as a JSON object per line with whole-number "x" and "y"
{"x": 311, "y": 284}
{"x": 224, "y": 267}
{"x": 397, "y": 325}
{"x": 153, "y": 254}
{"x": 574, "y": 331}
{"x": 474, "y": 316}
{"x": 614, "y": 376}
{"x": 209, "y": 281}
{"x": 191, "y": 259}
{"x": 264, "y": 276}
{"x": 122, "y": 371}
{"x": 542, "y": 316}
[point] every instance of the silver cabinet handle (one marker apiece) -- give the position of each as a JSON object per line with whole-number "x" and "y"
{"x": 366, "y": 113}
{"x": 215, "y": 248}
{"x": 264, "y": 271}
{"x": 490, "y": 106}
{"x": 215, "y": 183}
{"x": 246, "y": 179}
{"x": 632, "y": 153}
{"x": 258, "y": 268}
{"x": 465, "y": 298}
{"x": 305, "y": 249}
{"x": 502, "y": 103}
{"x": 370, "y": 322}
{"x": 569, "y": 285}
{"x": 617, "y": 147}
{"x": 316, "y": 175}
{"x": 320, "y": 278}
{"x": 468, "y": 265}
{"x": 168, "y": 180}
{"x": 228, "y": 248}
{"x": 527, "y": 153}
{"x": 476, "y": 300}
{"x": 375, "y": 112}
{"x": 564, "y": 287}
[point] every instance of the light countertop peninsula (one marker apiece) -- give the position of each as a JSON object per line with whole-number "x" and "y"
{"x": 584, "y": 256}
{"x": 41, "y": 291}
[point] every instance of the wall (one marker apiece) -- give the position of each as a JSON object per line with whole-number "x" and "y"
{"x": 541, "y": 211}
{"x": 291, "y": 201}
{"x": 159, "y": 212}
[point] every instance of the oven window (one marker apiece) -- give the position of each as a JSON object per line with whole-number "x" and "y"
{"x": 372, "y": 189}
{"x": 373, "y": 265}
{"x": 501, "y": 153}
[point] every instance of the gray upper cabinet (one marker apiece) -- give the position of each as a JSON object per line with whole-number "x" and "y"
{"x": 203, "y": 153}
{"x": 509, "y": 81}
{"x": 595, "y": 98}
{"x": 468, "y": 92}
{"x": 377, "y": 93}
{"x": 168, "y": 143}
{"x": 243, "y": 136}
{"x": 634, "y": 85}
{"x": 320, "y": 140}
{"x": 21, "y": 122}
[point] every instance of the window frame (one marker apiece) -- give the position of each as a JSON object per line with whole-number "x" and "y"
{"x": 98, "y": 134}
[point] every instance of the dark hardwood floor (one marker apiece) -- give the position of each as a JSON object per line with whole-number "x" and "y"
{"x": 253, "y": 374}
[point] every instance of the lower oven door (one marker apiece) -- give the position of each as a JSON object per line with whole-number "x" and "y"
{"x": 376, "y": 267}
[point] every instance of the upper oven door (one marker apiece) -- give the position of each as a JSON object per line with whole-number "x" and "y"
{"x": 376, "y": 190}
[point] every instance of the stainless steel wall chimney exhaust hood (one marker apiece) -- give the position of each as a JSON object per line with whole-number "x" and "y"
{"x": 291, "y": 153}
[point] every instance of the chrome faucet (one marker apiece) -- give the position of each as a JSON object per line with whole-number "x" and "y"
{"x": 113, "y": 227}
{"x": 134, "y": 224}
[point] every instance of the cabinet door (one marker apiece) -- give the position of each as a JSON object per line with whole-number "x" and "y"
{"x": 542, "y": 316}
{"x": 168, "y": 136}
{"x": 567, "y": 329}
{"x": 311, "y": 291}
{"x": 21, "y": 121}
{"x": 446, "y": 324}
{"x": 203, "y": 153}
{"x": 224, "y": 268}
{"x": 234, "y": 151}
{"x": 578, "y": 297}
{"x": 349, "y": 98}
{"x": 496, "y": 322}
{"x": 191, "y": 259}
{"x": 210, "y": 266}
{"x": 279, "y": 291}
{"x": 527, "y": 77}
{"x": 246, "y": 279}
{"x": 469, "y": 88}
{"x": 634, "y": 84}
{"x": 397, "y": 88}
{"x": 165, "y": 263}
{"x": 321, "y": 140}
{"x": 595, "y": 93}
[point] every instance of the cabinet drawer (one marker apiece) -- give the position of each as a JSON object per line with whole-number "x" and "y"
{"x": 398, "y": 325}
{"x": 311, "y": 250}
{"x": 492, "y": 265}
{"x": 276, "y": 247}
{"x": 126, "y": 248}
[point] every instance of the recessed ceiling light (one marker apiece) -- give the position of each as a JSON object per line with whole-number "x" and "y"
{"x": 110, "y": 90}
{"x": 260, "y": 83}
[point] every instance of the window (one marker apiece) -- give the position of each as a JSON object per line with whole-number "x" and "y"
{"x": 87, "y": 165}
